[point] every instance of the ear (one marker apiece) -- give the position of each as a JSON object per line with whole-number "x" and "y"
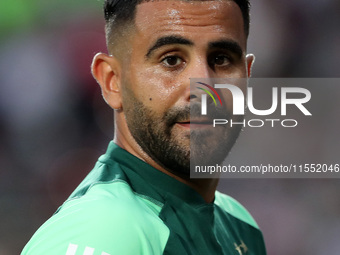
{"x": 107, "y": 72}
{"x": 250, "y": 59}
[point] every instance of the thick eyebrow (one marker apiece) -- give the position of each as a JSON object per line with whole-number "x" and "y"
{"x": 168, "y": 40}
{"x": 228, "y": 45}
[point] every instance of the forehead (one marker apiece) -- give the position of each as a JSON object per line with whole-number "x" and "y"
{"x": 219, "y": 18}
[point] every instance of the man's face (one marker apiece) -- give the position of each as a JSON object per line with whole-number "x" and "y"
{"x": 173, "y": 41}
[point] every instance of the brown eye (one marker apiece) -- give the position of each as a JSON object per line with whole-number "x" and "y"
{"x": 221, "y": 60}
{"x": 172, "y": 61}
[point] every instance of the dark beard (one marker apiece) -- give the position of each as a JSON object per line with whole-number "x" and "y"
{"x": 211, "y": 147}
{"x": 154, "y": 135}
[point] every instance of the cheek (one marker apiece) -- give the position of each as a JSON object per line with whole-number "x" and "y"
{"x": 155, "y": 89}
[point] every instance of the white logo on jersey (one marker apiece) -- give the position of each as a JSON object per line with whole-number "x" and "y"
{"x": 72, "y": 249}
{"x": 242, "y": 247}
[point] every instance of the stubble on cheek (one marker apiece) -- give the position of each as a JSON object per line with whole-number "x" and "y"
{"x": 157, "y": 135}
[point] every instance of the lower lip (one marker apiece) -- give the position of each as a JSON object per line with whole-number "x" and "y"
{"x": 194, "y": 125}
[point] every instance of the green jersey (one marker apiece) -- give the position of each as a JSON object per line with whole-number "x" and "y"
{"x": 125, "y": 206}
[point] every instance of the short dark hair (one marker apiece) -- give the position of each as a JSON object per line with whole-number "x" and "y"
{"x": 118, "y": 12}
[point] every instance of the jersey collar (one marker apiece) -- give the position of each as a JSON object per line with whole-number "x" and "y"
{"x": 149, "y": 181}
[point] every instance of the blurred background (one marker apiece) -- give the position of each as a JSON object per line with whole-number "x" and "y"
{"x": 54, "y": 123}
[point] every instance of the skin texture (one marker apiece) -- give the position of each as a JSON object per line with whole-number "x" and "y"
{"x": 147, "y": 79}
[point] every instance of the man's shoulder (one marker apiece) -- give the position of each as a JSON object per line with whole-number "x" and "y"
{"x": 114, "y": 207}
{"x": 234, "y": 208}
{"x": 109, "y": 217}
{"x": 115, "y": 196}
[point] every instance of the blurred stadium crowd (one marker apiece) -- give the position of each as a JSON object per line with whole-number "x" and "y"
{"x": 54, "y": 123}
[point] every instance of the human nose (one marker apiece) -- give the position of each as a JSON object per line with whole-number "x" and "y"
{"x": 196, "y": 70}
{"x": 199, "y": 69}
